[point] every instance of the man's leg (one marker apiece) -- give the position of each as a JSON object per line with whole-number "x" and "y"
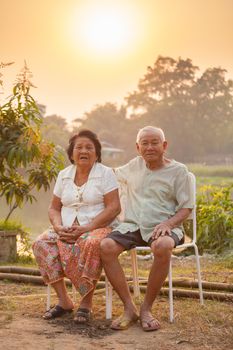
{"x": 110, "y": 250}
{"x": 162, "y": 250}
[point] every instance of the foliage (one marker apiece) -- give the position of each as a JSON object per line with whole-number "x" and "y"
{"x": 54, "y": 128}
{"x": 10, "y": 226}
{"x": 24, "y": 244}
{"x": 214, "y": 181}
{"x": 26, "y": 160}
{"x": 194, "y": 110}
{"x": 227, "y": 259}
{"x": 111, "y": 125}
{"x": 211, "y": 170}
{"x": 215, "y": 219}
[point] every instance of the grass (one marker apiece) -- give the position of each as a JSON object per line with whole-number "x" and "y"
{"x": 213, "y": 269}
{"x": 211, "y": 170}
{"x": 214, "y": 181}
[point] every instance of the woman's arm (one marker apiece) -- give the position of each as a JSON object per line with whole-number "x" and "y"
{"x": 55, "y": 215}
{"x": 111, "y": 210}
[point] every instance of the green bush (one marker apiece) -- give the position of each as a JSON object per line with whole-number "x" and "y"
{"x": 215, "y": 219}
{"x": 23, "y": 238}
{"x": 27, "y": 162}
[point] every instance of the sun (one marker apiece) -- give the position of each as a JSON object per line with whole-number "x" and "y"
{"x": 106, "y": 30}
{"x": 105, "y": 27}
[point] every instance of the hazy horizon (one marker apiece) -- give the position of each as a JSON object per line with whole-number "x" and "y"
{"x": 77, "y": 63}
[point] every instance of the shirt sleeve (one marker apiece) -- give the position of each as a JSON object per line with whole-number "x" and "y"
{"x": 57, "y": 191}
{"x": 122, "y": 174}
{"x": 184, "y": 190}
{"x": 109, "y": 181}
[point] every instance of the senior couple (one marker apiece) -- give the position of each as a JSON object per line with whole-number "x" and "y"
{"x": 85, "y": 233}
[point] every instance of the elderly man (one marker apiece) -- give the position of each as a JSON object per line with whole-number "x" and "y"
{"x": 158, "y": 200}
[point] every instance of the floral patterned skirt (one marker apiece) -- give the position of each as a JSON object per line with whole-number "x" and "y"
{"x": 80, "y": 262}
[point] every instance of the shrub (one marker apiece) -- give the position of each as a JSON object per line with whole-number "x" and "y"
{"x": 26, "y": 160}
{"x": 23, "y": 240}
{"x": 215, "y": 219}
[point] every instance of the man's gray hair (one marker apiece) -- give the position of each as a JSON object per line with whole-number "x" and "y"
{"x": 158, "y": 131}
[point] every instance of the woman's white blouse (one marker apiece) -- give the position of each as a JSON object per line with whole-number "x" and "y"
{"x": 101, "y": 181}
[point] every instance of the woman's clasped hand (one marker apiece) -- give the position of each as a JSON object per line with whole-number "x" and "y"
{"x": 71, "y": 234}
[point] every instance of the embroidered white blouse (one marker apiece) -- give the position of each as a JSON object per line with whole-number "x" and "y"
{"x": 101, "y": 180}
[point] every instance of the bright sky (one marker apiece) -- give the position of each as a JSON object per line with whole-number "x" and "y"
{"x": 88, "y": 52}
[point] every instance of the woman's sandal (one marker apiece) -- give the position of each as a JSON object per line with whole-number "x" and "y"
{"x": 86, "y": 314}
{"x": 56, "y": 311}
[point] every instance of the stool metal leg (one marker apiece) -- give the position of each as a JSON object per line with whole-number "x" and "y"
{"x": 48, "y": 297}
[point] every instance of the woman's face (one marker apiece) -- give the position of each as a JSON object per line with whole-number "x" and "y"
{"x": 84, "y": 153}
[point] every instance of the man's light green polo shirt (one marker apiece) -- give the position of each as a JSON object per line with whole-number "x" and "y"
{"x": 152, "y": 196}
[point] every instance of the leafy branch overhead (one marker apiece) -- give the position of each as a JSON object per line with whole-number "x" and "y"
{"x": 26, "y": 160}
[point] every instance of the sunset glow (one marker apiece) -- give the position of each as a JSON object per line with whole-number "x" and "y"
{"x": 105, "y": 30}
{"x": 87, "y": 52}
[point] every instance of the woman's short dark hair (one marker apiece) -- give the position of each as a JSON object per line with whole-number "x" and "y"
{"x": 91, "y": 136}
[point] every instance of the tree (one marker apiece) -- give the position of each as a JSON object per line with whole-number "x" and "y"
{"x": 54, "y": 128}
{"x": 103, "y": 119}
{"x": 164, "y": 83}
{"x": 26, "y": 160}
{"x": 213, "y": 105}
{"x": 110, "y": 124}
{"x": 196, "y": 111}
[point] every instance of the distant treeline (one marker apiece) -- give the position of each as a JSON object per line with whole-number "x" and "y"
{"x": 194, "y": 109}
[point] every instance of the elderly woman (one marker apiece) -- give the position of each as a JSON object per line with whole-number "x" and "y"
{"x": 82, "y": 212}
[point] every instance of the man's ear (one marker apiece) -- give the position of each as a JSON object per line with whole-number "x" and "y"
{"x": 165, "y": 144}
{"x": 137, "y": 147}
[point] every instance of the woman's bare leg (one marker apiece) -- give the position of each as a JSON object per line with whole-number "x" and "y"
{"x": 86, "y": 303}
{"x": 63, "y": 298}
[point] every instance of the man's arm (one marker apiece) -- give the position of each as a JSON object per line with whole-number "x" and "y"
{"x": 165, "y": 227}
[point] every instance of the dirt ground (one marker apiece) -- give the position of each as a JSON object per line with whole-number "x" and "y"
{"x": 33, "y": 333}
{"x": 195, "y": 327}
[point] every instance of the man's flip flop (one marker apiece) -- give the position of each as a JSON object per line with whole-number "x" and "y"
{"x": 147, "y": 325}
{"x": 56, "y": 311}
{"x": 86, "y": 314}
{"x": 122, "y": 323}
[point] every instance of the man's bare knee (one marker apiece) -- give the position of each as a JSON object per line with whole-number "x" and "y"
{"x": 109, "y": 248}
{"x": 162, "y": 246}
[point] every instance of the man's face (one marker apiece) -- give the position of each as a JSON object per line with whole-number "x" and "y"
{"x": 151, "y": 147}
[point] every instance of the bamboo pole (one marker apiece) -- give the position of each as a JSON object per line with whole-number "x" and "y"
{"x": 193, "y": 294}
{"x": 164, "y": 291}
{"x": 194, "y": 284}
{"x": 35, "y": 279}
{"x": 184, "y": 282}
{"x": 19, "y": 269}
